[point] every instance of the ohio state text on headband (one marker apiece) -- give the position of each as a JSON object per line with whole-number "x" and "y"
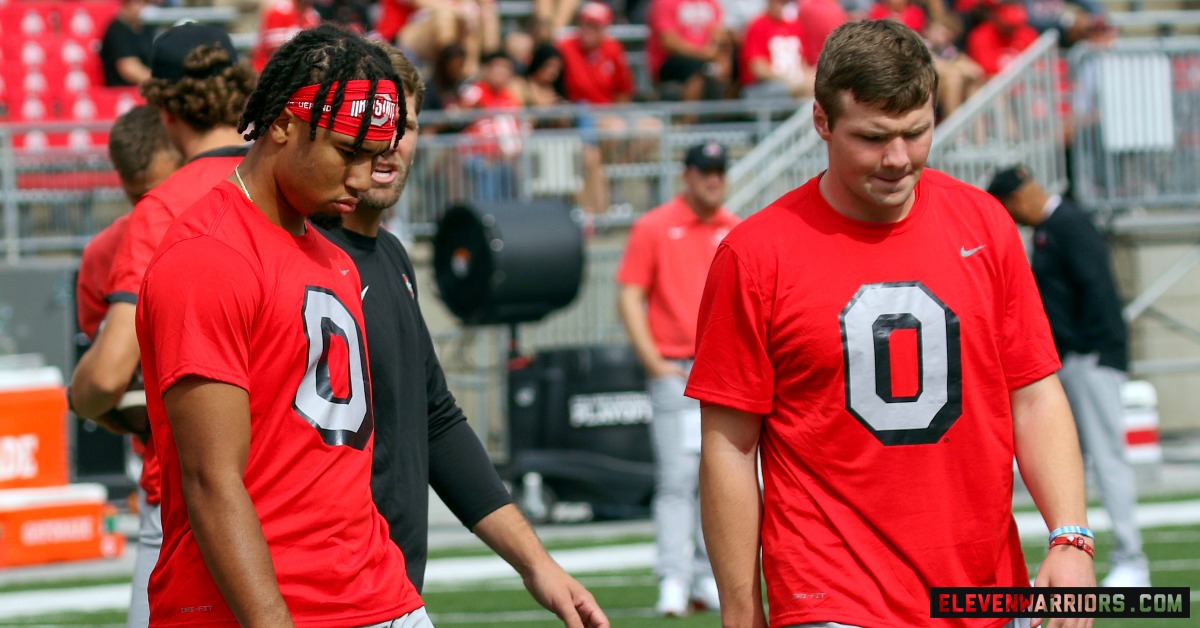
{"x": 354, "y": 104}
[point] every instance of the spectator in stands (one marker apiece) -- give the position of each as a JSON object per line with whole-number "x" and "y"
{"x": 142, "y": 154}
{"x": 595, "y": 69}
{"x": 856, "y": 9}
{"x": 352, "y": 14}
{"x": 738, "y": 14}
{"x": 689, "y": 50}
{"x": 906, "y": 12}
{"x": 996, "y": 42}
{"x": 448, "y": 79}
{"x": 519, "y": 45}
{"x": 542, "y": 87}
{"x": 1073, "y": 271}
{"x": 818, "y": 18}
{"x": 958, "y": 75}
{"x": 1073, "y": 19}
{"x": 125, "y": 48}
{"x": 281, "y": 20}
{"x": 772, "y": 56}
{"x": 427, "y": 26}
{"x": 490, "y": 160}
{"x": 550, "y": 16}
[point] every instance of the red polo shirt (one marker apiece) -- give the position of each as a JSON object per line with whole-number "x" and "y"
{"x": 668, "y": 255}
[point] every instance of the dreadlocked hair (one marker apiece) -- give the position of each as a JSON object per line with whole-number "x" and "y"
{"x": 211, "y": 92}
{"x": 322, "y": 56}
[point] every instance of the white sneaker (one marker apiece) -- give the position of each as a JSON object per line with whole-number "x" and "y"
{"x": 672, "y": 598}
{"x": 705, "y": 596}
{"x": 1127, "y": 575}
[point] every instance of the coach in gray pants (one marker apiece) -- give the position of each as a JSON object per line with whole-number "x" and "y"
{"x": 1074, "y": 275}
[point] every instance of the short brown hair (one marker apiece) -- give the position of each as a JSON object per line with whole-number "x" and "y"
{"x": 204, "y": 103}
{"x": 882, "y": 63}
{"x": 410, "y": 76}
{"x": 136, "y": 139}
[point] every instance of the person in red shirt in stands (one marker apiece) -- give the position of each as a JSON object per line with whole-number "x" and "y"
{"x": 688, "y": 43}
{"x": 903, "y": 11}
{"x": 996, "y": 42}
{"x": 281, "y": 20}
{"x": 818, "y": 18}
{"x": 595, "y": 69}
{"x": 773, "y": 57}
{"x": 490, "y": 160}
{"x": 426, "y": 27}
{"x": 261, "y": 410}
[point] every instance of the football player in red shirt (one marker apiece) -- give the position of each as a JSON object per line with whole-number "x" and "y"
{"x": 143, "y": 156}
{"x": 200, "y": 115}
{"x": 256, "y": 371}
{"x": 877, "y": 335}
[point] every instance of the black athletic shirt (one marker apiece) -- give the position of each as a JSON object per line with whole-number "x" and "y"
{"x": 1073, "y": 270}
{"x": 421, "y": 435}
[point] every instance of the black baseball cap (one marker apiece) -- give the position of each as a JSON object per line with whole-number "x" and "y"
{"x": 1008, "y": 180}
{"x": 707, "y": 156}
{"x": 172, "y": 47}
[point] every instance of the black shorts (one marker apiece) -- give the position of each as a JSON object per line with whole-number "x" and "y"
{"x": 679, "y": 68}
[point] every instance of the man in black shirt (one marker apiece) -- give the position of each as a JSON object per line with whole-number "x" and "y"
{"x": 125, "y": 48}
{"x": 1074, "y": 276}
{"x": 421, "y": 435}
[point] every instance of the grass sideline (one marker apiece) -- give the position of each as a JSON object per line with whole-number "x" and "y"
{"x": 628, "y": 597}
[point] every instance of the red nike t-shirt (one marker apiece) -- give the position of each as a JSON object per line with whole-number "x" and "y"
{"x": 233, "y": 298}
{"x": 881, "y": 356}
{"x": 149, "y": 221}
{"x": 94, "y": 267}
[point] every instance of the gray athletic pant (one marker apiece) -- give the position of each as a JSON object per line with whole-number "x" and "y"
{"x": 150, "y": 536}
{"x": 1095, "y": 395}
{"x": 681, "y": 552}
{"x": 416, "y": 619}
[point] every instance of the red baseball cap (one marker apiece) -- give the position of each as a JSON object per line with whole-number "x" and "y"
{"x": 1011, "y": 14}
{"x": 596, "y": 13}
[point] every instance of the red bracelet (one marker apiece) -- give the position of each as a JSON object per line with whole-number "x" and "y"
{"x": 1073, "y": 541}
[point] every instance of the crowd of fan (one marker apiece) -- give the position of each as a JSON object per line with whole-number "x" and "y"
{"x": 695, "y": 49}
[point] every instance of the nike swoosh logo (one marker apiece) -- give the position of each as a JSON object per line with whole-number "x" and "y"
{"x": 965, "y": 252}
{"x": 344, "y": 270}
{"x": 364, "y": 292}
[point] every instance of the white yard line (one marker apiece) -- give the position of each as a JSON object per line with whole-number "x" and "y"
{"x": 446, "y": 573}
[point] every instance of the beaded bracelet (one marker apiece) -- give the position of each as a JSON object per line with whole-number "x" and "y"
{"x": 1073, "y": 541}
{"x": 1057, "y": 532}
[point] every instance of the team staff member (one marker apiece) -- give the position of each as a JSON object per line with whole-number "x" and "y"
{"x": 198, "y": 89}
{"x": 662, "y": 279}
{"x": 421, "y": 434}
{"x": 256, "y": 368}
{"x": 890, "y": 357}
{"x": 1074, "y": 276}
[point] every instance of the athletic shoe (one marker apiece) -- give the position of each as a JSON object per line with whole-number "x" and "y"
{"x": 1127, "y": 575}
{"x": 672, "y": 598}
{"x": 704, "y": 595}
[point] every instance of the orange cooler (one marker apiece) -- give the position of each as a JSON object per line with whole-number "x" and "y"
{"x": 33, "y": 428}
{"x": 41, "y": 525}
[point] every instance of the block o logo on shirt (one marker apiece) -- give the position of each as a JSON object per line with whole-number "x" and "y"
{"x": 333, "y": 395}
{"x": 902, "y": 361}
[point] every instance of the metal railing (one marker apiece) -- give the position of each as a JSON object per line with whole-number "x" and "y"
{"x": 1137, "y": 137}
{"x": 791, "y": 155}
{"x": 57, "y": 187}
{"x": 639, "y": 146}
{"x": 1017, "y": 117}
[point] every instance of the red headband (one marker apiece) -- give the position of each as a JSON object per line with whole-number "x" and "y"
{"x": 348, "y": 117}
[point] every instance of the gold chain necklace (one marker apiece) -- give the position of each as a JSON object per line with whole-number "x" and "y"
{"x": 242, "y": 183}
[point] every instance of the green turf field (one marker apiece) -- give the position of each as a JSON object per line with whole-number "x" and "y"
{"x": 628, "y": 597}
